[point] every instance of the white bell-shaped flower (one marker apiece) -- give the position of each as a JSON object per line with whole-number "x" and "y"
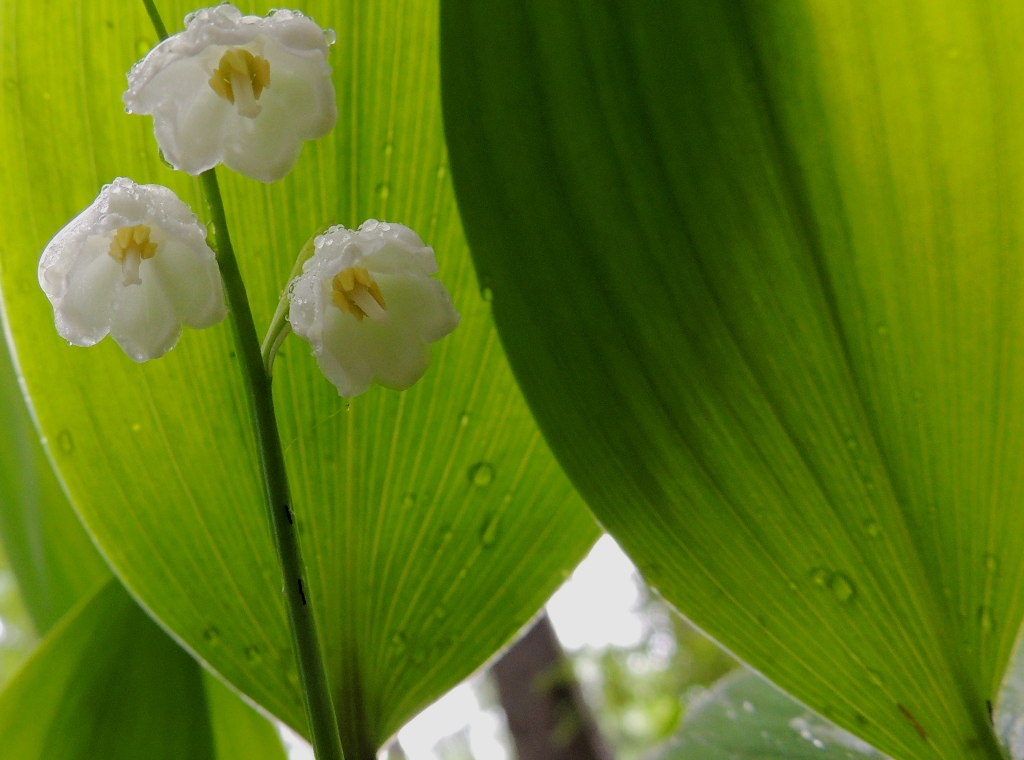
{"x": 134, "y": 264}
{"x": 245, "y": 91}
{"x": 368, "y": 305}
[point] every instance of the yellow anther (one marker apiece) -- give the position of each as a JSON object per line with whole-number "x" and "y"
{"x": 356, "y": 293}
{"x": 128, "y": 240}
{"x": 238, "y": 64}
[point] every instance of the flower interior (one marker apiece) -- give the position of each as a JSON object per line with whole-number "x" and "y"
{"x": 356, "y": 293}
{"x": 240, "y": 79}
{"x": 128, "y": 248}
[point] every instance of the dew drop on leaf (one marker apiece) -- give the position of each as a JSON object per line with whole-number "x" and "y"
{"x": 489, "y": 534}
{"x": 212, "y": 635}
{"x": 991, "y": 563}
{"x": 481, "y": 474}
{"x": 819, "y": 576}
{"x": 985, "y": 618}
{"x": 842, "y": 588}
{"x": 872, "y": 529}
{"x": 252, "y": 655}
{"x": 408, "y": 500}
{"x": 66, "y": 443}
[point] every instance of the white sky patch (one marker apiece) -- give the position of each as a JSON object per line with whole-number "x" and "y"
{"x": 597, "y": 606}
{"x": 456, "y": 711}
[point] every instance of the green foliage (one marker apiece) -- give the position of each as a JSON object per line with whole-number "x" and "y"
{"x": 757, "y": 267}
{"x": 107, "y": 682}
{"x": 92, "y": 679}
{"x": 434, "y": 522}
{"x": 746, "y": 718}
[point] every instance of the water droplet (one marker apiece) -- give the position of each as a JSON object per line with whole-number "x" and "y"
{"x": 819, "y": 576}
{"x": 842, "y": 588}
{"x": 253, "y": 656}
{"x": 991, "y": 563}
{"x": 792, "y": 586}
{"x": 408, "y": 500}
{"x": 882, "y": 329}
{"x": 872, "y": 529}
{"x": 65, "y": 442}
{"x": 985, "y": 618}
{"x": 489, "y": 534}
{"x": 136, "y": 427}
{"x": 383, "y": 190}
{"x": 441, "y": 171}
{"x": 464, "y": 419}
{"x": 142, "y": 47}
{"x": 487, "y": 294}
{"x": 446, "y": 534}
{"x": 481, "y": 474}
{"x": 212, "y": 635}
{"x": 293, "y": 677}
{"x": 419, "y": 655}
{"x": 46, "y": 96}
{"x": 440, "y": 613}
{"x": 953, "y": 53}
{"x": 851, "y": 444}
{"x": 869, "y": 484}
{"x": 330, "y": 36}
{"x": 748, "y": 706}
{"x": 874, "y": 677}
{"x": 399, "y": 642}
{"x": 389, "y": 148}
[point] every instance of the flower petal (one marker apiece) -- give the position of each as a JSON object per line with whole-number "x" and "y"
{"x": 143, "y": 322}
{"x": 83, "y": 314}
{"x": 299, "y": 105}
{"x": 344, "y": 354}
{"x": 191, "y": 280}
{"x": 422, "y": 303}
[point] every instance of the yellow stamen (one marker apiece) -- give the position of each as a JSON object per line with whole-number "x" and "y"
{"x": 129, "y": 240}
{"x": 129, "y": 248}
{"x": 239, "y": 74}
{"x": 356, "y": 293}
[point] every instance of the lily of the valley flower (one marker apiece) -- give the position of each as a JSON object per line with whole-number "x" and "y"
{"x": 245, "y": 91}
{"x": 134, "y": 264}
{"x": 368, "y": 305}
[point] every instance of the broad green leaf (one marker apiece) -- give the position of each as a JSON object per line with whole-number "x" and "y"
{"x": 758, "y": 268}
{"x": 108, "y": 683}
{"x": 744, "y": 717}
{"x": 434, "y": 522}
{"x": 57, "y": 568}
{"x": 50, "y": 554}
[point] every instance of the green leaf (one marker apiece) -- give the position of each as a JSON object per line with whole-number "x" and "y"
{"x": 107, "y": 682}
{"x": 757, "y": 267}
{"x": 744, "y": 717}
{"x": 434, "y": 522}
{"x": 49, "y": 553}
{"x": 57, "y": 568}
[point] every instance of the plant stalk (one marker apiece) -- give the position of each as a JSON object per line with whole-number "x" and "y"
{"x": 323, "y": 722}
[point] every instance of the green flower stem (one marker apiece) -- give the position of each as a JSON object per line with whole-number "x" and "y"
{"x": 323, "y": 722}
